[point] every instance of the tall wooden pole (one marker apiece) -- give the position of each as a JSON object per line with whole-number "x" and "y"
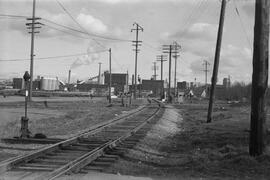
{"x": 32, "y": 50}
{"x": 170, "y": 65}
{"x": 216, "y": 62}
{"x": 110, "y": 83}
{"x": 257, "y": 140}
{"x": 137, "y": 44}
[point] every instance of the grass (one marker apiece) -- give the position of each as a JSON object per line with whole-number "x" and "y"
{"x": 216, "y": 150}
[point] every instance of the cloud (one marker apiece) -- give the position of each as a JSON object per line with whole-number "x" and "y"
{"x": 234, "y": 61}
{"x": 249, "y": 8}
{"x": 198, "y": 31}
{"x": 91, "y": 23}
{"x": 144, "y": 1}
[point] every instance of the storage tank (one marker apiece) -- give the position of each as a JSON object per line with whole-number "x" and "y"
{"x": 45, "y": 84}
{"x": 49, "y": 84}
{"x": 53, "y": 83}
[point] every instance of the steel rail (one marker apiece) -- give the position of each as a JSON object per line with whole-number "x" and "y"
{"x": 8, "y": 164}
{"x": 82, "y": 161}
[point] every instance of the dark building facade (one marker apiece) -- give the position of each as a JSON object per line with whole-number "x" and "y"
{"x": 18, "y": 83}
{"x": 119, "y": 81}
{"x": 156, "y": 86}
{"x": 182, "y": 85}
{"x": 94, "y": 89}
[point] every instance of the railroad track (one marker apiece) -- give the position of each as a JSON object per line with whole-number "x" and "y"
{"x": 80, "y": 152}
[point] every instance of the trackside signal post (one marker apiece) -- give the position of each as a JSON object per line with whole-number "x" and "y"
{"x": 25, "y": 133}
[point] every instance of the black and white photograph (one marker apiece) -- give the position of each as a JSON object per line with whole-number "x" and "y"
{"x": 134, "y": 90}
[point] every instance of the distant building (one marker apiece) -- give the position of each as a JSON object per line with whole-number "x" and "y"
{"x": 119, "y": 81}
{"x": 94, "y": 89}
{"x": 182, "y": 85}
{"x": 155, "y": 86}
{"x": 49, "y": 84}
{"x": 18, "y": 83}
{"x": 226, "y": 82}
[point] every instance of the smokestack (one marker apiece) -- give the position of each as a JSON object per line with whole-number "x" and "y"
{"x": 99, "y": 74}
{"x": 69, "y": 74}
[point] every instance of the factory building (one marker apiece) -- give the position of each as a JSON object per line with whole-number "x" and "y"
{"x": 49, "y": 84}
{"x": 43, "y": 83}
{"x": 153, "y": 86}
{"x": 119, "y": 81}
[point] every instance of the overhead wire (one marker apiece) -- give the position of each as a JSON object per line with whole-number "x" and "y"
{"x": 78, "y": 24}
{"x": 242, "y": 25}
{"x": 70, "y": 28}
{"x": 13, "y": 16}
{"x": 82, "y": 32}
{"x": 66, "y": 32}
{"x": 54, "y": 57}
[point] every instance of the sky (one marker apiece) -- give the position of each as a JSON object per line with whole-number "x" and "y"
{"x": 191, "y": 23}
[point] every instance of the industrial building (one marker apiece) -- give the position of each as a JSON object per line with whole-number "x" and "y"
{"x": 43, "y": 83}
{"x": 154, "y": 86}
{"x": 119, "y": 81}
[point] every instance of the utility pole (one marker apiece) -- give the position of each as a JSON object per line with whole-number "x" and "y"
{"x": 155, "y": 70}
{"x": 257, "y": 139}
{"x": 137, "y": 43}
{"x": 168, "y": 49}
{"x": 176, "y": 51}
{"x": 206, "y": 70}
{"x": 161, "y": 58}
{"x": 110, "y": 69}
{"x": 32, "y": 27}
{"x": 216, "y": 62}
{"x": 99, "y": 73}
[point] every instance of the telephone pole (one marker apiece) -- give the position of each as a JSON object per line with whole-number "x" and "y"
{"x": 177, "y": 47}
{"x": 206, "y": 70}
{"x": 110, "y": 69}
{"x": 136, "y": 43}
{"x": 257, "y": 137}
{"x": 161, "y": 58}
{"x": 168, "y": 49}
{"x": 216, "y": 62}
{"x": 32, "y": 26}
{"x": 99, "y": 73}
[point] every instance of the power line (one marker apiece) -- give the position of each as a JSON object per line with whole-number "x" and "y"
{"x": 194, "y": 14}
{"x": 13, "y": 16}
{"x": 242, "y": 25}
{"x": 66, "y": 32}
{"x": 79, "y": 31}
{"x": 85, "y": 31}
{"x": 74, "y": 20}
{"x": 71, "y": 29}
{"x": 53, "y": 57}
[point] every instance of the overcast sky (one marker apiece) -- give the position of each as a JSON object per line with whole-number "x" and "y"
{"x": 192, "y": 23}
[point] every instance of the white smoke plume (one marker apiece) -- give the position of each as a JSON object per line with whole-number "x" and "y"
{"x": 91, "y": 57}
